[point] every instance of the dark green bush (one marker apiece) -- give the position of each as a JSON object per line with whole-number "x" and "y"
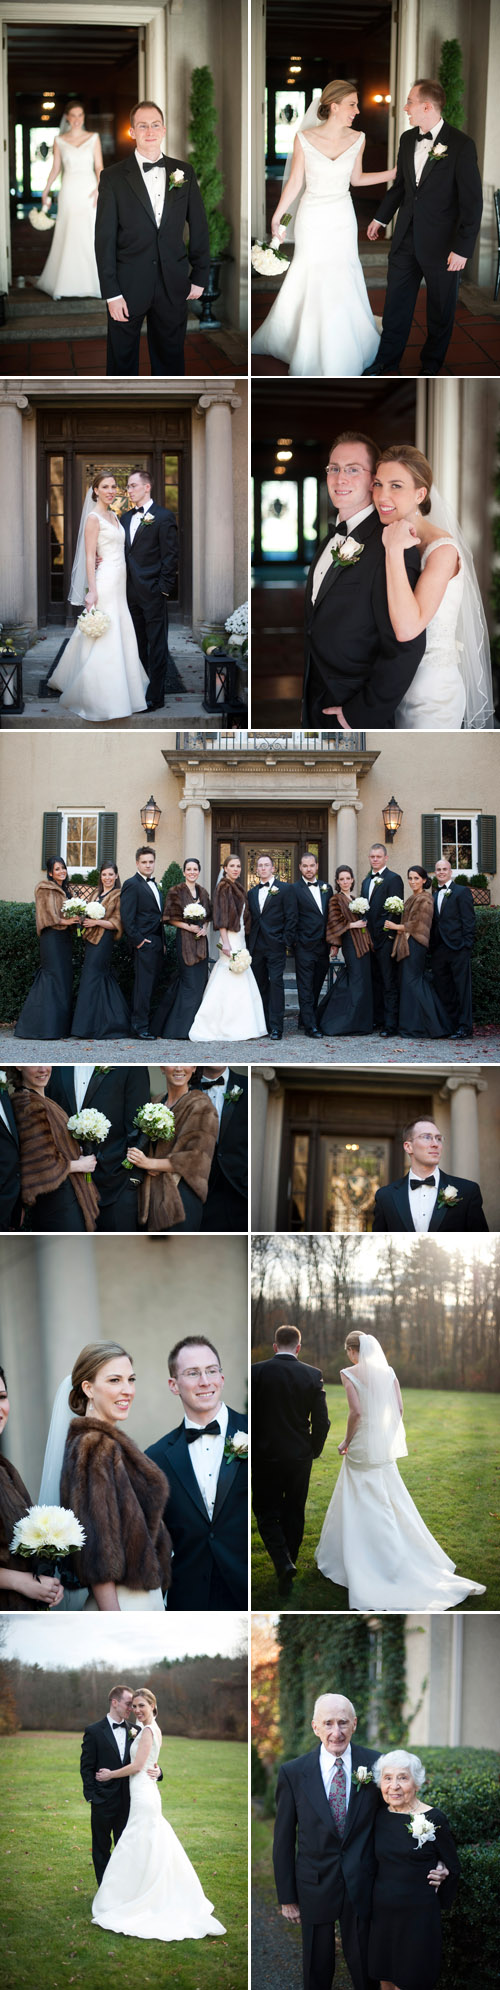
{"x": 465, "y": 1782}
{"x": 172, "y": 875}
{"x": 471, "y": 1930}
{"x": 258, "y": 1773}
{"x": 486, "y": 966}
{"x": 20, "y": 960}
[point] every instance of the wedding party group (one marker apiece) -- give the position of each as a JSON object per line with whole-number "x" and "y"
{"x": 374, "y": 1543}
{"x": 120, "y": 234}
{"x": 85, "y": 1147}
{"x": 117, "y": 1528}
{"x": 322, "y": 322}
{"x": 117, "y": 661}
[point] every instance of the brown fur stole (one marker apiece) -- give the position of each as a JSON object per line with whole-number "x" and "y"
{"x": 119, "y": 1496}
{"x": 49, "y": 902}
{"x": 111, "y": 903}
{"x": 191, "y": 1154}
{"x": 230, "y": 901}
{"x": 340, "y": 920}
{"x": 417, "y": 922}
{"x": 194, "y": 946}
{"x": 46, "y": 1152}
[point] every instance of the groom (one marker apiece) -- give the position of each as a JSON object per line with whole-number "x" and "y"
{"x": 207, "y": 1504}
{"x": 151, "y": 552}
{"x": 106, "y": 1745}
{"x": 356, "y": 672}
{"x": 438, "y": 192}
{"x": 290, "y": 1425}
{"x": 143, "y": 206}
{"x": 427, "y": 1198}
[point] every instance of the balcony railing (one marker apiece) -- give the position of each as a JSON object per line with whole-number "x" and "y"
{"x": 290, "y": 740}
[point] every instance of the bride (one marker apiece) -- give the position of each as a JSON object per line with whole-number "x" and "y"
{"x": 373, "y": 1541}
{"x": 104, "y": 678}
{"x": 92, "y": 1467}
{"x": 322, "y": 322}
{"x": 231, "y": 1009}
{"x": 150, "y": 1888}
{"x": 452, "y": 685}
{"x": 71, "y": 268}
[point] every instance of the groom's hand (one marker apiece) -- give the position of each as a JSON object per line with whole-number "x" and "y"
{"x": 195, "y": 291}
{"x": 118, "y": 309}
{"x": 374, "y": 229}
{"x": 291, "y": 1913}
{"x": 153, "y": 1773}
{"x": 438, "y": 1873}
{"x": 335, "y": 712}
{"x": 456, "y": 262}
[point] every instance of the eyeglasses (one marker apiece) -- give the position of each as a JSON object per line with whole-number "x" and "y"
{"x": 345, "y": 469}
{"x": 431, "y": 1137}
{"x": 200, "y": 1374}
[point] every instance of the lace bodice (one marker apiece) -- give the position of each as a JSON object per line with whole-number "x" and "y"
{"x": 441, "y": 630}
{"x": 78, "y": 160}
{"x": 328, "y": 179}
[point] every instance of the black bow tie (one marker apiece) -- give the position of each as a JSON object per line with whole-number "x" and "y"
{"x": 311, "y": 883}
{"x": 210, "y": 1083}
{"x": 209, "y": 1430}
{"x": 138, "y": 507}
{"x": 342, "y": 528}
{"x": 150, "y": 165}
{"x": 118, "y": 1724}
{"x": 428, "y": 1182}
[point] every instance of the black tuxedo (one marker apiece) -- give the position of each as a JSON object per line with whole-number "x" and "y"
{"x": 384, "y": 968}
{"x": 226, "y": 1207}
{"x": 311, "y": 951}
{"x": 152, "y": 560}
{"x": 118, "y": 1092}
{"x": 209, "y": 1566}
{"x": 271, "y": 931}
{"x": 330, "y": 1877}
{"x": 110, "y": 1802}
{"x": 453, "y": 933}
{"x": 10, "y": 1168}
{"x": 439, "y": 216}
{"x": 149, "y": 266}
{"x": 352, "y": 656}
{"x": 393, "y": 1206}
{"x": 142, "y": 920}
{"x": 290, "y": 1424}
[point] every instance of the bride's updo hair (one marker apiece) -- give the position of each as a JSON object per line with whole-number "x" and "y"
{"x": 334, "y": 93}
{"x": 352, "y": 1340}
{"x": 145, "y": 1694}
{"x": 87, "y": 1366}
{"x": 418, "y": 466}
{"x": 98, "y": 478}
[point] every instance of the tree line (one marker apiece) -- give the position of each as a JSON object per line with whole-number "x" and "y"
{"x": 204, "y": 1698}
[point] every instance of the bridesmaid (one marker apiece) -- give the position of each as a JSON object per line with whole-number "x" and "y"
{"x": 117, "y": 1493}
{"x": 47, "y": 1010}
{"x": 19, "y": 1590}
{"x": 176, "y": 1012}
{"x": 421, "y": 1011}
{"x": 101, "y": 1009}
{"x": 174, "y": 1187}
{"x": 53, "y": 1185}
{"x": 348, "y": 1009}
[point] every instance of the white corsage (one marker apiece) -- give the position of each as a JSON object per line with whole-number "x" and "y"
{"x": 237, "y": 1445}
{"x": 345, "y": 552}
{"x": 421, "y": 1829}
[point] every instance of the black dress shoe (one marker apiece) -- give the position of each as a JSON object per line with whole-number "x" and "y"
{"x": 388, "y": 1032}
{"x": 157, "y": 707}
{"x": 313, "y": 1032}
{"x": 275, "y": 1035}
{"x": 147, "y": 1036}
{"x": 371, "y": 370}
{"x": 286, "y": 1578}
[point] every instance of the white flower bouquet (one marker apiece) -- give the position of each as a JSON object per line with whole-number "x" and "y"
{"x": 359, "y": 904}
{"x": 94, "y": 910}
{"x": 195, "y": 914}
{"x": 239, "y": 962}
{"x": 271, "y": 260}
{"x": 155, "y": 1120}
{"x": 93, "y": 623}
{"x": 237, "y": 1445}
{"x": 45, "y": 1535}
{"x": 421, "y": 1829}
{"x": 394, "y": 904}
{"x": 237, "y": 630}
{"x": 75, "y": 908}
{"x": 89, "y": 1128}
{"x": 40, "y": 219}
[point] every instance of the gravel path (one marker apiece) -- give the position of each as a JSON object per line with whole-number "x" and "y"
{"x": 344, "y": 1052}
{"x": 277, "y": 1950}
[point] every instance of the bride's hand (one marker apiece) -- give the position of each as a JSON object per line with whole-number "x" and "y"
{"x": 277, "y": 225}
{"x": 103, "y": 1775}
{"x": 400, "y": 535}
{"x": 343, "y": 1448}
{"x": 91, "y": 597}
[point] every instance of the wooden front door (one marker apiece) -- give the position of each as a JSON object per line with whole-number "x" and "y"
{"x": 70, "y": 449}
{"x": 284, "y": 833}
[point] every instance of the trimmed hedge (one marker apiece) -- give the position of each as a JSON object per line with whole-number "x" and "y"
{"x": 486, "y": 966}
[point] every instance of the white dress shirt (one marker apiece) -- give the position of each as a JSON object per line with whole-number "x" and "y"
{"x": 373, "y": 881}
{"x": 316, "y": 894}
{"x": 120, "y": 1736}
{"x": 136, "y": 519}
{"x": 263, "y": 891}
{"x": 206, "y": 1456}
{"x": 82, "y": 1077}
{"x": 325, "y": 559}
{"x": 216, "y": 1094}
{"x": 328, "y": 1765}
{"x": 156, "y": 186}
{"x": 423, "y": 147}
{"x": 441, "y": 894}
{"x": 422, "y": 1200}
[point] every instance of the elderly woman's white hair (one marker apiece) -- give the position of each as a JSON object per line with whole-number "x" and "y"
{"x": 398, "y": 1758}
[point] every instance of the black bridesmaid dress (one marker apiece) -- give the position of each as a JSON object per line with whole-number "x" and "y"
{"x": 101, "y": 1009}
{"x": 348, "y": 1009}
{"x": 405, "y": 1930}
{"x": 421, "y": 1011}
{"x": 177, "y": 1008}
{"x": 46, "y": 1013}
{"x": 59, "y": 1210}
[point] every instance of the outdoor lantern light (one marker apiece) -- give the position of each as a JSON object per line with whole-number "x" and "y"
{"x": 150, "y": 816}
{"x": 392, "y": 816}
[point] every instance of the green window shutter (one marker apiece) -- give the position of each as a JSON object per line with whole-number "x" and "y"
{"x": 487, "y": 844}
{"x": 106, "y": 841}
{"x": 431, "y": 840}
{"x": 51, "y": 836}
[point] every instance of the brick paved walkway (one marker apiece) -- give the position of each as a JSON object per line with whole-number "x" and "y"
{"x": 474, "y": 348}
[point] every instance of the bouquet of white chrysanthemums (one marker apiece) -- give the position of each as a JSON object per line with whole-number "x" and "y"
{"x": 240, "y": 961}
{"x": 359, "y": 904}
{"x": 46, "y": 1534}
{"x": 237, "y": 630}
{"x": 93, "y": 623}
{"x": 195, "y": 913}
{"x": 394, "y": 904}
{"x": 89, "y": 1128}
{"x": 155, "y": 1120}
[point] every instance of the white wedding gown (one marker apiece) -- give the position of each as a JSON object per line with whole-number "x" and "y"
{"x": 71, "y": 268}
{"x": 150, "y": 1888}
{"x": 435, "y": 700}
{"x": 105, "y": 679}
{"x": 322, "y": 322}
{"x": 375, "y": 1544}
{"x": 231, "y": 1009}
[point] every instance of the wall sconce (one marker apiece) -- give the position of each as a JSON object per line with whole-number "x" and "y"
{"x": 392, "y": 817}
{"x": 284, "y": 455}
{"x": 150, "y": 816}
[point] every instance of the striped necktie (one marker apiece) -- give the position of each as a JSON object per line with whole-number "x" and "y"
{"x": 337, "y": 1798}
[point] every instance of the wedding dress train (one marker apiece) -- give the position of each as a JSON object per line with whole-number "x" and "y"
{"x": 231, "y": 1010}
{"x": 71, "y": 268}
{"x": 105, "y": 679}
{"x": 322, "y": 322}
{"x": 150, "y": 1889}
{"x": 435, "y": 700}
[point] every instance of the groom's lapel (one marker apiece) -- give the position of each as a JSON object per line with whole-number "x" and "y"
{"x": 334, "y": 570}
{"x": 401, "y": 1198}
{"x": 438, "y": 1214}
{"x": 441, "y": 139}
{"x": 179, "y": 1461}
{"x": 136, "y": 183}
{"x": 93, "y": 1087}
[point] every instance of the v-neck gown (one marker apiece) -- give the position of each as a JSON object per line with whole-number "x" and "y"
{"x": 71, "y": 268}
{"x": 105, "y": 679}
{"x": 322, "y": 321}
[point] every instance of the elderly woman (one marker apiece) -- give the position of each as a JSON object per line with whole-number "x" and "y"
{"x": 417, "y": 1873}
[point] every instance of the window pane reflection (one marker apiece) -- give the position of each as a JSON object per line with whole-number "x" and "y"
{"x": 279, "y": 520}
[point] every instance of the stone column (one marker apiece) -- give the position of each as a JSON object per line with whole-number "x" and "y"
{"x": 462, "y": 1090}
{"x": 262, "y": 1078}
{"x": 347, "y": 833}
{"x": 219, "y": 528}
{"x": 408, "y": 68}
{"x": 444, "y": 427}
{"x": 69, "y": 1306}
{"x": 193, "y": 808}
{"x": 12, "y": 407}
{"x": 258, "y": 85}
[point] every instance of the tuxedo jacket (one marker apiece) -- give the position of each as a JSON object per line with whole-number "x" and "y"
{"x": 10, "y": 1167}
{"x": 140, "y": 915}
{"x": 197, "y": 1540}
{"x": 119, "y": 1093}
{"x": 231, "y": 1149}
{"x": 131, "y": 250}
{"x": 310, "y": 924}
{"x": 152, "y": 556}
{"x": 272, "y": 929}
{"x": 351, "y": 651}
{"x": 445, "y": 208}
{"x": 393, "y": 1206}
{"x": 455, "y": 924}
{"x": 312, "y": 1864}
{"x": 289, "y": 1410}
{"x": 100, "y": 1751}
{"x": 391, "y": 886}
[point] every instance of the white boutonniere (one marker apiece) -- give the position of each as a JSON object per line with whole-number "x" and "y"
{"x": 438, "y": 152}
{"x": 100, "y": 1069}
{"x": 375, "y": 881}
{"x": 421, "y": 1829}
{"x": 347, "y": 553}
{"x": 233, "y": 1095}
{"x": 148, "y": 518}
{"x": 323, "y": 887}
{"x": 176, "y": 180}
{"x": 132, "y": 1731}
{"x": 3, "y": 1081}
{"x": 237, "y": 1445}
{"x": 273, "y": 889}
{"x": 447, "y": 1197}
{"x": 362, "y": 1776}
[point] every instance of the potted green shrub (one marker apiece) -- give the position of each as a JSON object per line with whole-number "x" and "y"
{"x": 204, "y": 148}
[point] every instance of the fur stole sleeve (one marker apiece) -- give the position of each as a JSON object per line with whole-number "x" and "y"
{"x": 191, "y": 1154}
{"x": 230, "y": 901}
{"x": 14, "y": 1502}
{"x": 417, "y": 922}
{"x": 47, "y": 1150}
{"x": 340, "y": 920}
{"x": 49, "y": 901}
{"x": 111, "y": 904}
{"x": 193, "y": 945}
{"x": 119, "y": 1496}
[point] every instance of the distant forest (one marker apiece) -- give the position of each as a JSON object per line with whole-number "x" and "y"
{"x": 435, "y": 1311}
{"x": 204, "y": 1698}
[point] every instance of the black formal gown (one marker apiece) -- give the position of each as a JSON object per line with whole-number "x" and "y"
{"x": 101, "y": 1009}
{"x": 348, "y": 1009}
{"x": 46, "y": 1013}
{"x": 421, "y": 1012}
{"x": 178, "y": 1006}
{"x": 59, "y": 1210}
{"x": 405, "y": 1932}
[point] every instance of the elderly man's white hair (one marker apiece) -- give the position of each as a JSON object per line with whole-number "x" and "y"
{"x": 399, "y": 1758}
{"x": 333, "y": 1696}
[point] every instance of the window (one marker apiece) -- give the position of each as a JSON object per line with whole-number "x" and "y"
{"x": 279, "y": 520}
{"x": 79, "y": 841}
{"x": 459, "y": 842}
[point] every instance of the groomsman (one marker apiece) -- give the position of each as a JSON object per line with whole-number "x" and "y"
{"x": 379, "y": 884}
{"x": 453, "y": 934}
{"x": 290, "y": 1424}
{"x": 427, "y": 1198}
{"x": 226, "y": 1207}
{"x": 10, "y": 1166}
{"x": 272, "y": 930}
{"x": 312, "y": 897}
{"x": 141, "y": 907}
{"x": 118, "y": 1091}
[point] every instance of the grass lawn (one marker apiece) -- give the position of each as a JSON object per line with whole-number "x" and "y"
{"x": 48, "y": 1881}
{"x": 453, "y": 1474}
